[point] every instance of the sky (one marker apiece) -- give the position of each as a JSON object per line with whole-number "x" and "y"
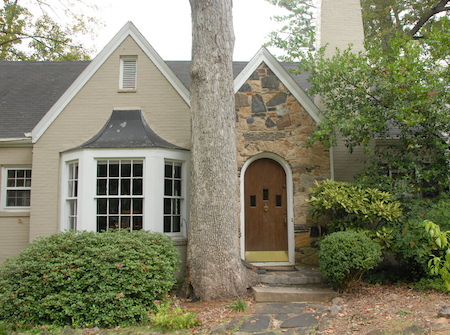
{"x": 166, "y": 24}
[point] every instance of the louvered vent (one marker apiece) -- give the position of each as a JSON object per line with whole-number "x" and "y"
{"x": 128, "y": 74}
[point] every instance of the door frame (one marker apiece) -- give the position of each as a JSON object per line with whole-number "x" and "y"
{"x": 290, "y": 207}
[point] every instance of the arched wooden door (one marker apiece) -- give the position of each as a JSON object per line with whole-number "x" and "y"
{"x": 266, "y": 232}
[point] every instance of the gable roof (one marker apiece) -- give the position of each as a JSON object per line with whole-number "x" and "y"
{"x": 32, "y": 94}
{"x": 128, "y": 30}
{"x": 29, "y": 89}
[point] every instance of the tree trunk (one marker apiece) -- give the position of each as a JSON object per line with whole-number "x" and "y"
{"x": 215, "y": 269}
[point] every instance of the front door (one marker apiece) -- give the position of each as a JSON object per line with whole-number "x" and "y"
{"x": 266, "y": 233}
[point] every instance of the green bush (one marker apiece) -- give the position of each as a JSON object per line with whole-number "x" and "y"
{"x": 86, "y": 279}
{"x": 349, "y": 206}
{"x": 344, "y": 257}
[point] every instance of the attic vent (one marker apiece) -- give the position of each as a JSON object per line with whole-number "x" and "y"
{"x": 128, "y": 73}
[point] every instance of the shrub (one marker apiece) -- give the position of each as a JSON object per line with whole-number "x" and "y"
{"x": 349, "y": 206}
{"x": 86, "y": 279}
{"x": 344, "y": 256}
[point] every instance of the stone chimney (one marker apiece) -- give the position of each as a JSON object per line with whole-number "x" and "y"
{"x": 340, "y": 24}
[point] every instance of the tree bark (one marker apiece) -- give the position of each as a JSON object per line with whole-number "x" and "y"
{"x": 215, "y": 270}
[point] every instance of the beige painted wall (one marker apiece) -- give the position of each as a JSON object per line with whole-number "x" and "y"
{"x": 164, "y": 110}
{"x": 14, "y": 226}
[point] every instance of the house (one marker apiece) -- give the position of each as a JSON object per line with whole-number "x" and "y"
{"x": 105, "y": 144}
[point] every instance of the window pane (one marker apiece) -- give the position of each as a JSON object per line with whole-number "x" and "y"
{"x": 137, "y": 187}
{"x": 126, "y": 169}
{"x": 265, "y": 194}
{"x": 167, "y": 206}
{"x": 137, "y": 169}
{"x": 253, "y": 201}
{"x": 137, "y": 206}
{"x": 167, "y": 224}
{"x": 101, "y": 223}
{"x": 167, "y": 187}
{"x": 113, "y": 222}
{"x": 102, "y": 206}
{"x": 177, "y": 171}
{"x": 125, "y": 187}
{"x": 168, "y": 171}
{"x": 176, "y": 224}
{"x": 177, "y": 188}
{"x": 125, "y": 222}
{"x": 125, "y": 206}
{"x": 137, "y": 222}
{"x": 113, "y": 187}
{"x": 113, "y": 206}
{"x": 101, "y": 186}
{"x": 19, "y": 198}
{"x": 278, "y": 200}
{"x": 176, "y": 206}
{"x": 113, "y": 169}
{"x": 102, "y": 169}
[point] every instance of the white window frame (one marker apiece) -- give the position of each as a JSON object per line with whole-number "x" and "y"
{"x": 154, "y": 161}
{"x": 128, "y": 75}
{"x": 107, "y": 196}
{"x": 5, "y": 188}
{"x": 174, "y": 197}
{"x": 72, "y": 194}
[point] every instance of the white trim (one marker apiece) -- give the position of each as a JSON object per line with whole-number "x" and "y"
{"x": 4, "y": 183}
{"x": 263, "y": 55}
{"x": 290, "y": 204}
{"x": 128, "y": 29}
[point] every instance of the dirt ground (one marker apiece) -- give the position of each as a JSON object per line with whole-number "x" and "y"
{"x": 366, "y": 309}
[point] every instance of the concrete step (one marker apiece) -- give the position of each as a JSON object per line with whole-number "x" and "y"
{"x": 291, "y": 278}
{"x": 293, "y": 294}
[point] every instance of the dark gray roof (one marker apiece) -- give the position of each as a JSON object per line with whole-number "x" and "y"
{"x": 29, "y": 89}
{"x": 127, "y": 129}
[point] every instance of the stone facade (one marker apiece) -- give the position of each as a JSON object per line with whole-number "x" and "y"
{"x": 270, "y": 119}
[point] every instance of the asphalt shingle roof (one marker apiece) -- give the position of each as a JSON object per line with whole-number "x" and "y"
{"x": 29, "y": 89}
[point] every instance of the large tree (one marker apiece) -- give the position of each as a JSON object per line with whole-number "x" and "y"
{"x": 44, "y": 29}
{"x": 214, "y": 265}
{"x": 396, "y": 90}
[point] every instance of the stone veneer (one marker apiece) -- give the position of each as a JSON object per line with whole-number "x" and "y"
{"x": 270, "y": 119}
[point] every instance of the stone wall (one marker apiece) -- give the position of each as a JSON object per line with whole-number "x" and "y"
{"x": 270, "y": 119}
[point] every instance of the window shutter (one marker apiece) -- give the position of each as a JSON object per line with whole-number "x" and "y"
{"x": 128, "y": 74}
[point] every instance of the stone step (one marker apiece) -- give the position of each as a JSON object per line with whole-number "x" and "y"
{"x": 291, "y": 278}
{"x": 293, "y": 294}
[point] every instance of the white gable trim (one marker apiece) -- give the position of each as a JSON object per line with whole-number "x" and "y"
{"x": 128, "y": 29}
{"x": 263, "y": 55}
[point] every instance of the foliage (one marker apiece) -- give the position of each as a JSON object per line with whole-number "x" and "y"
{"x": 439, "y": 263}
{"x": 349, "y": 206}
{"x": 44, "y": 30}
{"x": 298, "y": 33}
{"x": 170, "y": 316}
{"x": 412, "y": 244}
{"x": 400, "y": 97}
{"x": 86, "y": 279}
{"x": 384, "y": 19}
{"x": 430, "y": 284}
{"x": 396, "y": 90}
{"x": 238, "y": 306}
{"x": 344, "y": 256}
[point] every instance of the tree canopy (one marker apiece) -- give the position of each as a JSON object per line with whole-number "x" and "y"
{"x": 396, "y": 92}
{"x": 44, "y": 30}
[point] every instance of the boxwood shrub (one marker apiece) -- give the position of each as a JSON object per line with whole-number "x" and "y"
{"x": 344, "y": 256}
{"x": 86, "y": 279}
